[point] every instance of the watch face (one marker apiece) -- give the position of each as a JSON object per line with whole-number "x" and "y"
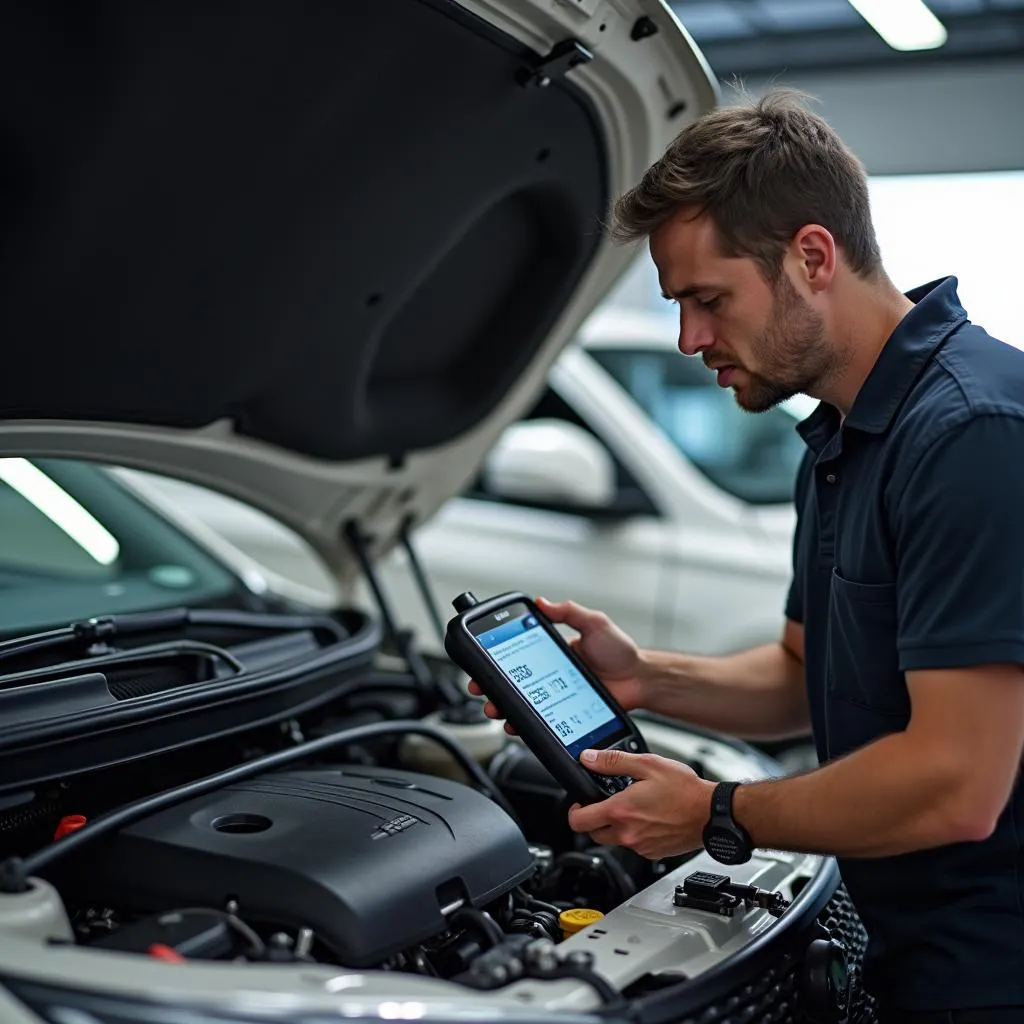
{"x": 725, "y": 846}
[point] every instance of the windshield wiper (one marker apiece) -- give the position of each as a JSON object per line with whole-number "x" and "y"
{"x": 103, "y": 628}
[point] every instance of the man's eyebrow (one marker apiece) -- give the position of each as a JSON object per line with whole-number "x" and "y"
{"x": 688, "y": 293}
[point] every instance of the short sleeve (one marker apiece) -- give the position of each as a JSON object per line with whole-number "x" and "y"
{"x": 794, "y": 608}
{"x": 795, "y": 601}
{"x": 959, "y": 542}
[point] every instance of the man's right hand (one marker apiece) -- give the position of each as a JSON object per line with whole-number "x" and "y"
{"x": 609, "y": 653}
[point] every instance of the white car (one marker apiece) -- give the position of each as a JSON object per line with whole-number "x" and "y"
{"x": 635, "y": 485}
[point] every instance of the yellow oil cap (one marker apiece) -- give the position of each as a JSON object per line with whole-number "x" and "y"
{"x": 577, "y": 919}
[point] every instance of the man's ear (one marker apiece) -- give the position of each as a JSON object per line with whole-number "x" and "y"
{"x": 813, "y": 257}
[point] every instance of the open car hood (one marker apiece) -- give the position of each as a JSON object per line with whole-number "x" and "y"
{"x": 314, "y": 256}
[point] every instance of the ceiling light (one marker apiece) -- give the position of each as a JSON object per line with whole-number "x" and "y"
{"x": 61, "y": 509}
{"x": 903, "y": 24}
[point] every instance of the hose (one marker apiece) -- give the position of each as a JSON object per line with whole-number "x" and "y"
{"x": 106, "y": 627}
{"x": 484, "y": 924}
{"x": 14, "y": 872}
{"x": 599, "y": 862}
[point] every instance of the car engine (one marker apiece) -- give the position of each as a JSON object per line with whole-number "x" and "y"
{"x": 393, "y": 843}
{"x": 370, "y": 860}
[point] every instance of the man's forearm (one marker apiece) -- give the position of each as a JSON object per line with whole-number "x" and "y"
{"x": 758, "y": 694}
{"x": 889, "y": 798}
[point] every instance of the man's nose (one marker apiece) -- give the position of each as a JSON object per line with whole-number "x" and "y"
{"x": 695, "y": 335}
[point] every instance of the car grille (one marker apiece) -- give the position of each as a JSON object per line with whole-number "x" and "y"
{"x": 141, "y": 682}
{"x": 772, "y": 995}
{"x": 157, "y": 675}
{"x": 842, "y": 921}
{"x": 32, "y": 814}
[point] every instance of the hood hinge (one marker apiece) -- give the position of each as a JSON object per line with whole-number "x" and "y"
{"x": 564, "y": 56}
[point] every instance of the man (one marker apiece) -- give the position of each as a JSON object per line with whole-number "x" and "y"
{"x": 903, "y": 642}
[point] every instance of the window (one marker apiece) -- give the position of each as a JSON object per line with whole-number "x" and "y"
{"x": 75, "y": 544}
{"x": 753, "y": 457}
{"x": 969, "y": 225}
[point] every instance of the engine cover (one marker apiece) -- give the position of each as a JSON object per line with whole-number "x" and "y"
{"x": 365, "y": 857}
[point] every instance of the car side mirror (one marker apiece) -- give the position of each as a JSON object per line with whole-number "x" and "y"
{"x": 553, "y": 463}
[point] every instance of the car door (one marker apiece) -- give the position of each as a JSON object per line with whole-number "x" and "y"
{"x": 612, "y": 561}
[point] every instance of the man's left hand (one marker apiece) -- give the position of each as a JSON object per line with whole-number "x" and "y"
{"x": 662, "y": 814}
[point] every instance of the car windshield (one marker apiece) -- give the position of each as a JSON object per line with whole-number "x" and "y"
{"x": 753, "y": 457}
{"x": 76, "y": 543}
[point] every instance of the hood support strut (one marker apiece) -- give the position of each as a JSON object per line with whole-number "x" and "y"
{"x": 404, "y": 640}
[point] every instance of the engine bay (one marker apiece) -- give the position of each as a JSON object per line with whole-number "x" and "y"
{"x": 389, "y": 832}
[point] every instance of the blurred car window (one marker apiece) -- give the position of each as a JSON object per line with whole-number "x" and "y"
{"x": 76, "y": 544}
{"x": 753, "y": 457}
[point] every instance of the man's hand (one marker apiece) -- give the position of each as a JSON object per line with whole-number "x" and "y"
{"x": 663, "y": 813}
{"x": 610, "y": 654}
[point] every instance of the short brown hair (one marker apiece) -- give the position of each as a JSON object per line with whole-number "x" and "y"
{"x": 761, "y": 171}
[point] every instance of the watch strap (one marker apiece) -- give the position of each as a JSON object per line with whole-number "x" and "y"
{"x": 721, "y": 801}
{"x": 725, "y": 839}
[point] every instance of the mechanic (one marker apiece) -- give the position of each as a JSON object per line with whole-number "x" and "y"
{"x": 903, "y": 642}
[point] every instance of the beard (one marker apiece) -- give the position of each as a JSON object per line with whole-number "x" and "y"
{"x": 792, "y": 349}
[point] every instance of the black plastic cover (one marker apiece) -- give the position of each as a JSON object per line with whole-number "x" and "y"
{"x": 366, "y": 857}
{"x": 346, "y": 227}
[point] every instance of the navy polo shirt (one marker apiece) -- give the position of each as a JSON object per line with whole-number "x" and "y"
{"x": 909, "y": 554}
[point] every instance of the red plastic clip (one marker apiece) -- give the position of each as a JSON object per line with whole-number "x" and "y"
{"x": 161, "y": 952}
{"x": 68, "y": 824}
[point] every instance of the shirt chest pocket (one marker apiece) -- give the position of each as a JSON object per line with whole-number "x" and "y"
{"x": 866, "y": 691}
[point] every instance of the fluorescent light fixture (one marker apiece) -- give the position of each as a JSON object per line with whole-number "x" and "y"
{"x": 61, "y": 509}
{"x": 903, "y": 24}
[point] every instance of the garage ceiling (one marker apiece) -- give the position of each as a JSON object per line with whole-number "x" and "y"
{"x": 757, "y": 37}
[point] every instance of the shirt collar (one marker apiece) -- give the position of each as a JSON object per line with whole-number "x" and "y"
{"x": 819, "y": 427}
{"x": 937, "y": 312}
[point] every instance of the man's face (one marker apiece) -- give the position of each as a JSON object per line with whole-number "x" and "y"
{"x": 763, "y": 339}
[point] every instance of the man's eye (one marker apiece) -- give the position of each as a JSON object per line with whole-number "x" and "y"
{"x": 709, "y": 304}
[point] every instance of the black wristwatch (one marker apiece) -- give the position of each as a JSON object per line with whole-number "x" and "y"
{"x": 726, "y": 841}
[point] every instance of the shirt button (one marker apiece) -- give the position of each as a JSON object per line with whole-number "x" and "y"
{"x": 831, "y": 478}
